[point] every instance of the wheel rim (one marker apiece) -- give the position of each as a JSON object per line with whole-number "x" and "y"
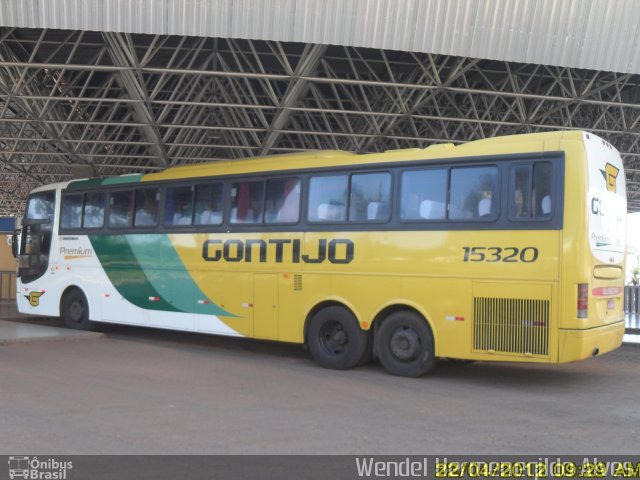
{"x": 333, "y": 338}
{"x": 76, "y": 311}
{"x": 405, "y": 344}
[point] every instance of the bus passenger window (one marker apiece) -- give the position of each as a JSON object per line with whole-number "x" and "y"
{"x": 474, "y": 193}
{"x": 423, "y": 194}
{"x": 520, "y": 180}
{"x": 179, "y": 206}
{"x": 282, "y": 201}
{"x": 247, "y": 202}
{"x": 370, "y": 197}
{"x": 209, "y": 204}
{"x": 71, "y": 212}
{"x": 542, "y": 174}
{"x": 120, "y": 209}
{"x": 328, "y": 198}
{"x": 93, "y": 216}
{"x": 147, "y": 200}
{"x": 530, "y": 191}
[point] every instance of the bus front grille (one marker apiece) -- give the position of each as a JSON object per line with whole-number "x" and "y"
{"x": 511, "y": 326}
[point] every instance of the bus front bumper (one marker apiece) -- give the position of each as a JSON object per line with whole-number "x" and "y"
{"x": 580, "y": 344}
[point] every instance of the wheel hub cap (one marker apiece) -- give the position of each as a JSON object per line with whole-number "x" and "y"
{"x": 76, "y": 311}
{"x": 333, "y": 338}
{"x": 405, "y": 343}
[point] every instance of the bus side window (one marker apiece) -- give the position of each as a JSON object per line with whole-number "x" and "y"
{"x": 209, "y": 204}
{"x": 71, "y": 211}
{"x": 282, "y": 201}
{"x": 179, "y": 206}
{"x": 542, "y": 174}
{"x": 147, "y": 201}
{"x": 474, "y": 193}
{"x": 247, "y": 202}
{"x": 370, "y": 197}
{"x": 93, "y": 216}
{"x": 328, "y": 198}
{"x": 423, "y": 194}
{"x": 120, "y": 209}
{"x": 530, "y": 191}
{"x": 520, "y": 191}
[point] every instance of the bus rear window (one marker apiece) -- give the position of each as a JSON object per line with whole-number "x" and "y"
{"x": 41, "y": 206}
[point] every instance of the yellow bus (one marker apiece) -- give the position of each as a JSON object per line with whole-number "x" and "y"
{"x": 503, "y": 249}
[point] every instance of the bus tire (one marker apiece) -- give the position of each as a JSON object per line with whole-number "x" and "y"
{"x": 335, "y": 339}
{"x": 75, "y": 310}
{"x": 404, "y": 345}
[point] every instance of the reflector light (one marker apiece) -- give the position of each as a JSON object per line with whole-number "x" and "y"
{"x": 583, "y": 300}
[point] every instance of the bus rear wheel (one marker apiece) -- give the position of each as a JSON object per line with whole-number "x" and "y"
{"x": 335, "y": 339}
{"x": 75, "y": 310}
{"x": 404, "y": 344}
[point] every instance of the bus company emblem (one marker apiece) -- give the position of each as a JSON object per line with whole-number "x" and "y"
{"x": 610, "y": 174}
{"x": 34, "y": 298}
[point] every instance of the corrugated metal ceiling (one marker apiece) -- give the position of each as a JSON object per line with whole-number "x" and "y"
{"x": 592, "y": 34}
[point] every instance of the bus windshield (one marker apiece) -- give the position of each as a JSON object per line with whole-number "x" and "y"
{"x": 41, "y": 206}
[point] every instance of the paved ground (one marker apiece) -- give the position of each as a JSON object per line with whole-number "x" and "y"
{"x": 149, "y": 391}
{"x": 19, "y": 332}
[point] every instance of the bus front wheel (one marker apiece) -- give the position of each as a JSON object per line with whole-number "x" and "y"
{"x": 404, "y": 344}
{"x": 335, "y": 339}
{"x": 75, "y": 310}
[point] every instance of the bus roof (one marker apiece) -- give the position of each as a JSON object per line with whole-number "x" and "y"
{"x": 546, "y": 141}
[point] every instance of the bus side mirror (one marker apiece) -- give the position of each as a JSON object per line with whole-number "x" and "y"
{"x": 14, "y": 242}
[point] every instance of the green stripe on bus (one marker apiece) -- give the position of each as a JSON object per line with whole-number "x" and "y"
{"x": 82, "y": 184}
{"x": 126, "y": 275}
{"x": 135, "y": 178}
{"x": 147, "y": 266}
{"x": 163, "y": 267}
{"x": 99, "y": 182}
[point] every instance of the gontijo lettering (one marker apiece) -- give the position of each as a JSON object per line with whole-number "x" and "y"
{"x": 338, "y": 250}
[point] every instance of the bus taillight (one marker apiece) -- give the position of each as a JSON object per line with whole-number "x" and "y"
{"x": 583, "y": 300}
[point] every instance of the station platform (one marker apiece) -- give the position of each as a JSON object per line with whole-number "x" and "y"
{"x": 16, "y": 328}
